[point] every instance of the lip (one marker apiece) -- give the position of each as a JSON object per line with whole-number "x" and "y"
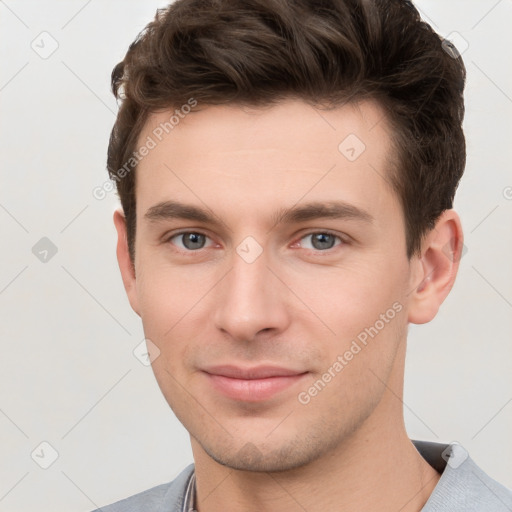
{"x": 252, "y": 384}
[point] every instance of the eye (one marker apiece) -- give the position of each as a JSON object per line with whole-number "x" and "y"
{"x": 189, "y": 240}
{"x": 320, "y": 241}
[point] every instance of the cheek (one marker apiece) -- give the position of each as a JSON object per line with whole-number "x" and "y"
{"x": 351, "y": 298}
{"x": 167, "y": 313}
{"x": 352, "y": 378}
{"x": 167, "y": 295}
{"x": 363, "y": 308}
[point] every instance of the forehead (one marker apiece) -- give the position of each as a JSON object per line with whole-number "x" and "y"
{"x": 266, "y": 157}
{"x": 291, "y": 125}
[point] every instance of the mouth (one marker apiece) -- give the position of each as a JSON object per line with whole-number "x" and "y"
{"x": 252, "y": 384}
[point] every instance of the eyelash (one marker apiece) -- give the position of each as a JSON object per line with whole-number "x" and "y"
{"x": 343, "y": 241}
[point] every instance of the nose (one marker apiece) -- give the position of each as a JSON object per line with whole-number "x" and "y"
{"x": 251, "y": 300}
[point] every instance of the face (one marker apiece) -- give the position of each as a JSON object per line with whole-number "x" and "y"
{"x": 271, "y": 275}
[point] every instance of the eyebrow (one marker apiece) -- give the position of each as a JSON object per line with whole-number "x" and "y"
{"x": 168, "y": 210}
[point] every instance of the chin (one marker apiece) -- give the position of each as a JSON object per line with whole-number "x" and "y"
{"x": 264, "y": 457}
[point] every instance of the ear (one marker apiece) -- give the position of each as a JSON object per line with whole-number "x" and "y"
{"x": 435, "y": 269}
{"x": 126, "y": 265}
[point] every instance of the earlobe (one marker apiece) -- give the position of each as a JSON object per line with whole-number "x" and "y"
{"x": 436, "y": 268}
{"x": 126, "y": 265}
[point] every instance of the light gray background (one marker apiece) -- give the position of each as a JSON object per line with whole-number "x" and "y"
{"x": 67, "y": 372}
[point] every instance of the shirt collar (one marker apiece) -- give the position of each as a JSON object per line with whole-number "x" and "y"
{"x": 189, "y": 501}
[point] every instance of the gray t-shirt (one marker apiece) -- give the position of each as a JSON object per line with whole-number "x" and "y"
{"x": 463, "y": 487}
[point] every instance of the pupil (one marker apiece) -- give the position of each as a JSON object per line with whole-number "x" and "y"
{"x": 323, "y": 241}
{"x": 193, "y": 240}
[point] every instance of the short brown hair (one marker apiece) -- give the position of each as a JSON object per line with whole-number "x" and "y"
{"x": 325, "y": 52}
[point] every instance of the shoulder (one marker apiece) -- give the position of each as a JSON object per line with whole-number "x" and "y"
{"x": 464, "y": 486}
{"x": 166, "y": 497}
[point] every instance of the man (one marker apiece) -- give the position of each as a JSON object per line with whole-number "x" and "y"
{"x": 287, "y": 172}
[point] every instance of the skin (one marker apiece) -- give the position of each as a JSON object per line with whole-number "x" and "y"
{"x": 295, "y": 305}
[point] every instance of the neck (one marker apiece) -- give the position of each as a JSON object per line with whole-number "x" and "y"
{"x": 376, "y": 468}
